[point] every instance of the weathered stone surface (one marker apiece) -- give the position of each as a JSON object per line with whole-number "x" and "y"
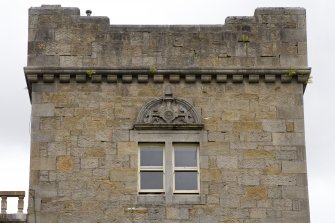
{"x": 89, "y": 80}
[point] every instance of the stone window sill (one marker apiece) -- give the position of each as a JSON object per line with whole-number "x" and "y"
{"x": 161, "y": 199}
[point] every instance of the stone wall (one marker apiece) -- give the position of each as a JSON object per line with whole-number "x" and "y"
{"x": 88, "y": 80}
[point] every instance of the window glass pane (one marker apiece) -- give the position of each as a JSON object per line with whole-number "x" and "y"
{"x": 186, "y": 180}
{"x": 152, "y": 156}
{"x": 151, "y": 180}
{"x": 185, "y": 156}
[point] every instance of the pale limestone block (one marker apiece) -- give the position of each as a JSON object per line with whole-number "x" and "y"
{"x": 43, "y": 110}
{"x": 288, "y": 139}
{"x": 299, "y": 125}
{"x": 74, "y": 61}
{"x": 272, "y": 215}
{"x": 296, "y": 216}
{"x": 286, "y": 155}
{"x": 123, "y": 174}
{"x": 252, "y": 164}
{"x": 227, "y": 162}
{"x": 266, "y": 203}
{"x": 247, "y": 203}
{"x": 48, "y": 123}
{"x": 234, "y": 213}
{"x": 249, "y": 180}
{"x": 294, "y": 167}
{"x": 207, "y": 218}
{"x": 293, "y": 35}
{"x": 282, "y": 204}
{"x": 43, "y": 163}
{"x": 177, "y": 213}
{"x": 278, "y": 180}
{"x": 214, "y": 148}
{"x": 204, "y": 163}
{"x": 258, "y": 213}
{"x": 89, "y": 163}
{"x": 121, "y": 135}
{"x": 255, "y": 137}
{"x": 157, "y": 212}
{"x": 86, "y": 141}
{"x": 275, "y": 192}
{"x": 241, "y": 104}
{"x": 103, "y": 135}
{"x": 274, "y": 126}
{"x": 291, "y": 112}
{"x": 127, "y": 148}
{"x": 216, "y": 136}
{"x": 56, "y": 149}
{"x": 213, "y": 199}
{"x": 295, "y": 192}
{"x": 230, "y": 201}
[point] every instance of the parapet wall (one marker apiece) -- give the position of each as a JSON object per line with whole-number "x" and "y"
{"x": 273, "y": 37}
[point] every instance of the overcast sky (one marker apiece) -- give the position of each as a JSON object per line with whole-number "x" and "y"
{"x": 318, "y": 99}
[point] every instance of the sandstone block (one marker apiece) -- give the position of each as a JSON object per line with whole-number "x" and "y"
{"x": 258, "y": 154}
{"x": 256, "y": 192}
{"x": 95, "y": 152}
{"x": 247, "y": 126}
{"x": 64, "y": 163}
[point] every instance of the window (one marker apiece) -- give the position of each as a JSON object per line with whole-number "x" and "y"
{"x": 169, "y": 165}
{"x": 151, "y": 176}
{"x": 186, "y": 168}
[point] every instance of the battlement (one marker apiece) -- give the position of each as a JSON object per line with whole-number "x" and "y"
{"x": 273, "y": 37}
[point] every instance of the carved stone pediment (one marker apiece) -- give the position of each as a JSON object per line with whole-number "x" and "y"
{"x": 168, "y": 112}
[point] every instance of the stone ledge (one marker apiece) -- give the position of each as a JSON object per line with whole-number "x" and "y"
{"x": 143, "y": 75}
{"x": 35, "y": 74}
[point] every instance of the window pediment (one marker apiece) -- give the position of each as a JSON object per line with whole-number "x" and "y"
{"x": 168, "y": 112}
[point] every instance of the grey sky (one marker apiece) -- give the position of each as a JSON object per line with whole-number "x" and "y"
{"x": 318, "y": 98}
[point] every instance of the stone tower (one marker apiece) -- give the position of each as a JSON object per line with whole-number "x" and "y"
{"x": 175, "y": 124}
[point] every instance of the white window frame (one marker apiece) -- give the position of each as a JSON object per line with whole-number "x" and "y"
{"x": 150, "y": 168}
{"x": 168, "y": 137}
{"x": 186, "y": 169}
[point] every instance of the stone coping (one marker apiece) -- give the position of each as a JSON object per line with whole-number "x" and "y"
{"x": 12, "y": 193}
